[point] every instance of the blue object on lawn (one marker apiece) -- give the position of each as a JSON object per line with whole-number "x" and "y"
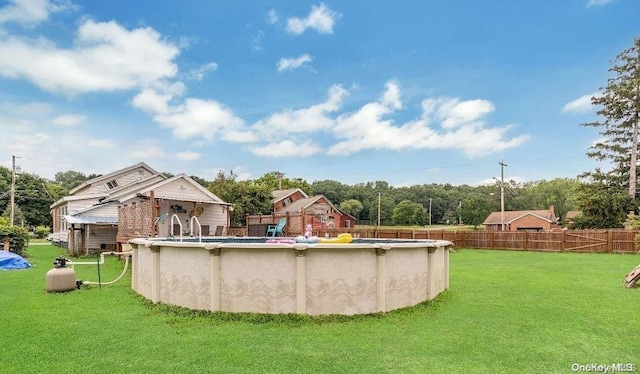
{"x": 274, "y": 230}
{"x": 12, "y": 261}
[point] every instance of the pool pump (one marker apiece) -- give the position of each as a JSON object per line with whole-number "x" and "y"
{"x": 60, "y": 278}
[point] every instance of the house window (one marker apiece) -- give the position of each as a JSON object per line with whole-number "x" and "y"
{"x": 287, "y": 201}
{"x": 112, "y": 184}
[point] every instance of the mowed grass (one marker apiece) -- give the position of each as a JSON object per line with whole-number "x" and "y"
{"x": 505, "y": 312}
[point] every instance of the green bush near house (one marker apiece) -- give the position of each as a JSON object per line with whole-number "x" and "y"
{"x": 41, "y": 232}
{"x": 16, "y": 237}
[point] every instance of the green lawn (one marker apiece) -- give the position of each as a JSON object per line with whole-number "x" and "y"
{"x": 509, "y": 312}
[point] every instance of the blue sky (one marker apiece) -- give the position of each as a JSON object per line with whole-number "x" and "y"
{"x": 409, "y": 92}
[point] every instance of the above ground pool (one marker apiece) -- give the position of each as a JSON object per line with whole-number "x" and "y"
{"x": 249, "y": 275}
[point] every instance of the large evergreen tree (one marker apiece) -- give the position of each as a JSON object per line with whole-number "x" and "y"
{"x": 619, "y": 108}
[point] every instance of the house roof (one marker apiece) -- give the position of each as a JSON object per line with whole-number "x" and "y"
{"x": 111, "y": 175}
{"x": 135, "y": 188}
{"x": 145, "y": 190}
{"x": 65, "y": 199}
{"x": 278, "y": 195}
{"x": 304, "y": 203}
{"x": 572, "y": 214}
{"x": 91, "y": 220}
{"x": 495, "y": 218}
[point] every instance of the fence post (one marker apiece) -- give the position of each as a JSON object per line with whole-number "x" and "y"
{"x": 609, "y": 241}
{"x": 492, "y": 233}
{"x": 562, "y": 239}
{"x": 526, "y": 241}
{"x": 286, "y": 227}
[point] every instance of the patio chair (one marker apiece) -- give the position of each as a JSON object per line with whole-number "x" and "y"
{"x": 274, "y": 230}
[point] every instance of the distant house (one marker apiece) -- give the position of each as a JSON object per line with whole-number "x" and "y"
{"x": 105, "y": 212}
{"x": 300, "y": 210}
{"x": 523, "y": 220}
{"x": 571, "y": 215}
{"x": 317, "y": 210}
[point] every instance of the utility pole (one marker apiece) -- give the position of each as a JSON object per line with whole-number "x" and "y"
{"x": 13, "y": 191}
{"x": 430, "y": 201}
{"x": 378, "y": 209}
{"x": 502, "y": 166}
{"x": 378, "y": 225}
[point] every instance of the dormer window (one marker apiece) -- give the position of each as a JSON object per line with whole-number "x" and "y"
{"x": 112, "y": 184}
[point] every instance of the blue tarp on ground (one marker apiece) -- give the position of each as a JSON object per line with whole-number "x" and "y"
{"x": 11, "y": 261}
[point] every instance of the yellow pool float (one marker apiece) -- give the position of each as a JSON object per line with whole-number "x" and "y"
{"x": 340, "y": 239}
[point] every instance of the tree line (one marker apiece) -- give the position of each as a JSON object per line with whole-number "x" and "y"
{"x": 415, "y": 205}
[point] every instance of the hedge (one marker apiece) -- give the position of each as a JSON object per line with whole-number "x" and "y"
{"x": 17, "y": 237}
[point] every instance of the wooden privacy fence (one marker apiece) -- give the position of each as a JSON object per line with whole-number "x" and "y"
{"x": 594, "y": 241}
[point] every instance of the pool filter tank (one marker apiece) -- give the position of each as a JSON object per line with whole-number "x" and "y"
{"x": 60, "y": 278}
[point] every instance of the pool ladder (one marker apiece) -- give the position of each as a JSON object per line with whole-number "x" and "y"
{"x": 194, "y": 218}
{"x": 199, "y": 228}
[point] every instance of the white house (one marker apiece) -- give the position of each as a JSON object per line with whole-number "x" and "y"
{"x": 105, "y": 212}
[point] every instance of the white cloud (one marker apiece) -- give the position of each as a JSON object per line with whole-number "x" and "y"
{"x": 272, "y": 17}
{"x": 101, "y": 143}
{"x": 306, "y": 120}
{"x": 199, "y": 73}
{"x": 293, "y": 63}
{"x": 391, "y": 97}
{"x": 152, "y": 102}
{"x": 193, "y": 118}
{"x": 188, "y": 156}
{"x": 453, "y": 112}
{"x": 196, "y": 117}
{"x": 320, "y": 18}
{"x": 30, "y": 12}
{"x": 287, "y": 148}
{"x": 460, "y": 128}
{"x": 580, "y": 105}
{"x": 593, "y": 3}
{"x": 69, "y": 120}
{"x": 105, "y": 57}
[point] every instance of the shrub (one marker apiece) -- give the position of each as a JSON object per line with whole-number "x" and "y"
{"x": 41, "y": 232}
{"x": 17, "y": 237}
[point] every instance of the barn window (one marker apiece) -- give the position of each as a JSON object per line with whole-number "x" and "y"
{"x": 287, "y": 201}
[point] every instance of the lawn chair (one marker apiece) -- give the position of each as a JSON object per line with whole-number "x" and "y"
{"x": 274, "y": 230}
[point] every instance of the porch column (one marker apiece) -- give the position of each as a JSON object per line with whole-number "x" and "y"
{"x": 84, "y": 232}
{"x": 72, "y": 240}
